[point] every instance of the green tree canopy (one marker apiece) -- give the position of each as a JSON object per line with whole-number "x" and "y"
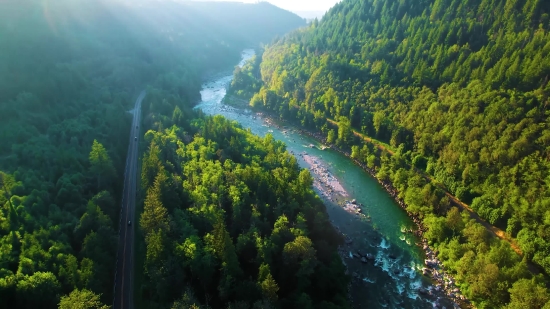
{"x": 100, "y": 162}
{"x": 81, "y": 299}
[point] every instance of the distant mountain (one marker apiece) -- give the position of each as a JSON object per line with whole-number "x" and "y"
{"x": 259, "y": 22}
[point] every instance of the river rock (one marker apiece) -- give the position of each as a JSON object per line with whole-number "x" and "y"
{"x": 363, "y": 260}
{"x": 430, "y": 263}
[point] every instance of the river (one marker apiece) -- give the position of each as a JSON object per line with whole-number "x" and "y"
{"x": 393, "y": 279}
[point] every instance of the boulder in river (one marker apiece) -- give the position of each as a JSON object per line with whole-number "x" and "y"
{"x": 364, "y": 260}
{"x": 426, "y": 271}
{"x": 353, "y": 201}
{"x": 369, "y": 256}
{"x": 430, "y": 263}
{"x": 391, "y": 256}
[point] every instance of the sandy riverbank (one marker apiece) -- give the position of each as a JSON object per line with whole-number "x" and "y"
{"x": 324, "y": 180}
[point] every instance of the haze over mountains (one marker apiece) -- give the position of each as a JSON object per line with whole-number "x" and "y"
{"x": 307, "y": 9}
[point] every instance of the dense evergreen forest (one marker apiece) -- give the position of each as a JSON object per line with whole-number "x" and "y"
{"x": 69, "y": 72}
{"x": 458, "y": 90}
{"x": 231, "y": 220}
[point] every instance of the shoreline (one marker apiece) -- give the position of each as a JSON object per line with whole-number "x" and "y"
{"x": 331, "y": 192}
{"x": 444, "y": 283}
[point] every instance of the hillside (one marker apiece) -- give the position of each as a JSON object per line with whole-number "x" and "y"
{"x": 260, "y": 22}
{"x": 69, "y": 73}
{"x": 236, "y": 219}
{"x": 459, "y": 90}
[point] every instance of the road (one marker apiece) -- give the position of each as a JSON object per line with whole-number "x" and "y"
{"x": 124, "y": 285}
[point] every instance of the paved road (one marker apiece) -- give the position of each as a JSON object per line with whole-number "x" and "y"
{"x": 124, "y": 283}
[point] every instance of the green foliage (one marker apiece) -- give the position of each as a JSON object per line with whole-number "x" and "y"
{"x": 246, "y": 80}
{"x": 247, "y": 228}
{"x": 461, "y": 86}
{"x": 100, "y": 162}
{"x": 38, "y": 289}
{"x": 528, "y": 294}
{"x": 81, "y": 299}
{"x": 69, "y": 74}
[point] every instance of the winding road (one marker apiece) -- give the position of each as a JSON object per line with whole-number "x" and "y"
{"x": 124, "y": 285}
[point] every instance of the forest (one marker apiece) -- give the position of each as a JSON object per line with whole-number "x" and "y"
{"x": 69, "y": 72}
{"x": 458, "y": 91}
{"x": 230, "y": 220}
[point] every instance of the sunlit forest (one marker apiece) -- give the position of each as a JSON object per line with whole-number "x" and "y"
{"x": 458, "y": 91}
{"x": 69, "y": 73}
{"x": 233, "y": 216}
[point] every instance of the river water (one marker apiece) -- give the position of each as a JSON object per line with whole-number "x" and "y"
{"x": 393, "y": 279}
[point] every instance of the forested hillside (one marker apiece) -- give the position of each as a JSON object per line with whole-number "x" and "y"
{"x": 69, "y": 73}
{"x": 459, "y": 90}
{"x": 231, "y": 220}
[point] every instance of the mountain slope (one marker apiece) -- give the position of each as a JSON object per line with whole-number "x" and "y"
{"x": 459, "y": 88}
{"x": 260, "y": 22}
{"x": 235, "y": 218}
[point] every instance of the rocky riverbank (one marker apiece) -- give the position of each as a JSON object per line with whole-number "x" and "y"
{"x": 355, "y": 260}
